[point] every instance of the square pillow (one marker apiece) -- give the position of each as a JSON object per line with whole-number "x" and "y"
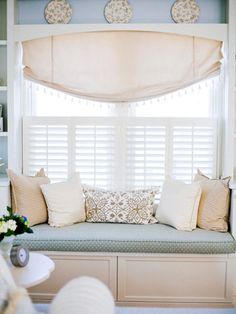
{"x": 179, "y": 204}
{"x": 65, "y": 202}
{"x": 27, "y": 197}
{"x": 134, "y": 207}
{"x": 214, "y": 204}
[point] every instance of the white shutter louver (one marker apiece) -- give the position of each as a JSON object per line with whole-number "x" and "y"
{"x": 193, "y": 147}
{"x": 95, "y": 154}
{"x": 47, "y": 146}
{"x": 117, "y": 152}
{"x": 63, "y": 146}
{"x": 145, "y": 156}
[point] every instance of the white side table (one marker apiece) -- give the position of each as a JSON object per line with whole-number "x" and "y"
{"x": 36, "y": 271}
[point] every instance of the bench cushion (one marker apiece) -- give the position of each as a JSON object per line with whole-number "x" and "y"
{"x": 127, "y": 238}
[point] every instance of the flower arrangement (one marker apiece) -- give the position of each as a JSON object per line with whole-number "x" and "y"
{"x": 13, "y": 224}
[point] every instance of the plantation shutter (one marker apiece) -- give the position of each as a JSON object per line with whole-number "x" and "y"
{"x": 120, "y": 65}
{"x": 46, "y": 145}
{"x": 113, "y": 153}
{"x": 145, "y": 155}
{"x": 193, "y": 147}
{"x": 66, "y": 145}
{"x": 94, "y": 154}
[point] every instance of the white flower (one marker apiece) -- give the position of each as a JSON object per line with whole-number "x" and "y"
{"x": 3, "y": 227}
{"x": 11, "y": 225}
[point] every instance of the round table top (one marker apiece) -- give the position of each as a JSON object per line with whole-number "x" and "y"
{"x": 36, "y": 271}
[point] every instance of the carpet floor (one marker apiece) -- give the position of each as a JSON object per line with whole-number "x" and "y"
{"x": 43, "y": 308}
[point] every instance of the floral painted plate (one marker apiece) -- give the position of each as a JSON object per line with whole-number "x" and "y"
{"x": 118, "y": 11}
{"x": 58, "y": 12}
{"x": 185, "y": 11}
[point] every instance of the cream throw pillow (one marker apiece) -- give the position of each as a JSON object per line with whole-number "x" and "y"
{"x": 27, "y": 197}
{"x": 214, "y": 204}
{"x": 179, "y": 204}
{"x": 65, "y": 202}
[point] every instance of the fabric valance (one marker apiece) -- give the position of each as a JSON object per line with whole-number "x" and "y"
{"x": 120, "y": 65}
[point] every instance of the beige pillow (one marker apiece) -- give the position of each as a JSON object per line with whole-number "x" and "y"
{"x": 27, "y": 197}
{"x": 214, "y": 204}
{"x": 134, "y": 207}
{"x": 179, "y": 204}
{"x": 65, "y": 202}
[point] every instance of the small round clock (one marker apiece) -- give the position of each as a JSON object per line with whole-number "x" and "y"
{"x": 19, "y": 256}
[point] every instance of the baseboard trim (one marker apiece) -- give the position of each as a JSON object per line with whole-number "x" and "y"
{"x": 47, "y": 298}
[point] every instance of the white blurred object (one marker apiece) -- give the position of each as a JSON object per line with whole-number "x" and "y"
{"x": 1, "y": 124}
{"x": 13, "y": 299}
{"x": 83, "y": 295}
{"x": 1, "y": 163}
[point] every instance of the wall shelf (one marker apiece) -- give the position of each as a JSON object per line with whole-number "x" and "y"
{"x": 3, "y": 88}
{"x": 3, "y": 43}
{"x": 27, "y": 32}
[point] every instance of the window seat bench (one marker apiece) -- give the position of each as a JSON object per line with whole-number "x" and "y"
{"x": 153, "y": 265}
{"x": 127, "y": 238}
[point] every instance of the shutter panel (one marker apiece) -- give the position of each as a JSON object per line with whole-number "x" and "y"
{"x": 118, "y": 153}
{"x": 94, "y": 154}
{"x": 145, "y": 156}
{"x": 193, "y": 148}
{"x": 46, "y": 145}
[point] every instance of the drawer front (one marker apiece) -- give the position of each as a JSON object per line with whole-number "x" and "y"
{"x": 70, "y": 267}
{"x": 174, "y": 279}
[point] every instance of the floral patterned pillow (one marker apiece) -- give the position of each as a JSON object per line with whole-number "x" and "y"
{"x": 134, "y": 207}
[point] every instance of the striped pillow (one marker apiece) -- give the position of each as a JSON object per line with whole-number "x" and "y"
{"x": 214, "y": 203}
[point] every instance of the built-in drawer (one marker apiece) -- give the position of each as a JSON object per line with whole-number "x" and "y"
{"x": 70, "y": 266}
{"x": 177, "y": 279}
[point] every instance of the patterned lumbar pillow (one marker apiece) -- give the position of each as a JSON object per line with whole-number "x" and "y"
{"x": 214, "y": 204}
{"x": 134, "y": 207}
{"x": 27, "y": 197}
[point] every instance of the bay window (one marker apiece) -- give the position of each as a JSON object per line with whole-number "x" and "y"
{"x": 122, "y": 145}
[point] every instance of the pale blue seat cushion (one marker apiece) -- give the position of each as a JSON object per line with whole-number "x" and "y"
{"x": 126, "y": 238}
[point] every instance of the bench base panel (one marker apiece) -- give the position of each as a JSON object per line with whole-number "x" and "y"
{"x": 147, "y": 280}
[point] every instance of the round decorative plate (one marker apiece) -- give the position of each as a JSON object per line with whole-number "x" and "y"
{"x": 118, "y": 11}
{"x": 58, "y": 12}
{"x": 185, "y": 11}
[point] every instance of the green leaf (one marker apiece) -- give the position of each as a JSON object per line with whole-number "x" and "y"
{"x": 9, "y": 209}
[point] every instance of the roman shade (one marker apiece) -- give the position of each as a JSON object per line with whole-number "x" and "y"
{"x": 120, "y": 65}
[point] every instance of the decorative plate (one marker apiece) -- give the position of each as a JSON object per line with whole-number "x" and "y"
{"x": 185, "y": 11}
{"x": 58, "y": 12}
{"x": 118, "y": 11}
